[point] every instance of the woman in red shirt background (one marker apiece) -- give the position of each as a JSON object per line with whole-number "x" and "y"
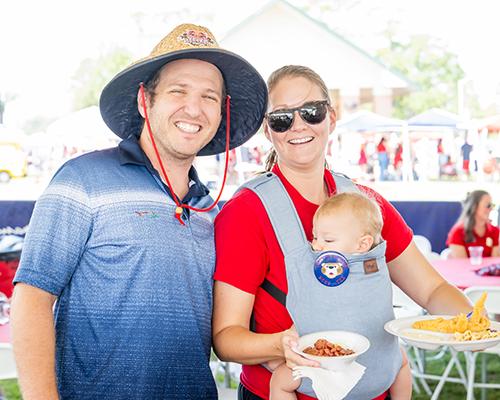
{"x": 473, "y": 228}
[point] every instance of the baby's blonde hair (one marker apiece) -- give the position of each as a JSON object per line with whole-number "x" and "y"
{"x": 362, "y": 208}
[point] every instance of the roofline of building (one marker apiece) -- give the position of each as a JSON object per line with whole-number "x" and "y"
{"x": 325, "y": 27}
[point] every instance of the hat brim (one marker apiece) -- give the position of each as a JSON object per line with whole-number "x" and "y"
{"x": 118, "y": 102}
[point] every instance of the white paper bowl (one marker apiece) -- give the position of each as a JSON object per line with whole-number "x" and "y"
{"x": 348, "y": 340}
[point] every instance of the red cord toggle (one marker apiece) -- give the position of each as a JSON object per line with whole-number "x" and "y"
{"x": 178, "y": 215}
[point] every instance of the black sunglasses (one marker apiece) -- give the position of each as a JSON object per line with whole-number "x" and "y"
{"x": 312, "y": 112}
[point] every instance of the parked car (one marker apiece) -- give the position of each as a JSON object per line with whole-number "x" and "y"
{"x": 13, "y": 162}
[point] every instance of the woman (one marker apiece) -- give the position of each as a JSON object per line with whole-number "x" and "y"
{"x": 251, "y": 325}
{"x": 363, "y": 159}
{"x": 383, "y": 159}
{"x": 473, "y": 228}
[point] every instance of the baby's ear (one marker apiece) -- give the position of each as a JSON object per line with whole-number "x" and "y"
{"x": 365, "y": 243}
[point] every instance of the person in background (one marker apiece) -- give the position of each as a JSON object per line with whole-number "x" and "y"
{"x": 465, "y": 151}
{"x": 253, "y": 301}
{"x": 442, "y": 157}
{"x": 474, "y": 228}
{"x": 383, "y": 159}
{"x": 398, "y": 159}
{"x": 113, "y": 296}
{"x": 363, "y": 160}
{"x": 449, "y": 168}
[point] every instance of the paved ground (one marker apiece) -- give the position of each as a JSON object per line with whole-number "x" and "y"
{"x": 227, "y": 394}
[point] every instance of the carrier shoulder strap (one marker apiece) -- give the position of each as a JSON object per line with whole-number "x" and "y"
{"x": 343, "y": 183}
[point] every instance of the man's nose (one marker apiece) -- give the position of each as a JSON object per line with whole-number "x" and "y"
{"x": 193, "y": 106}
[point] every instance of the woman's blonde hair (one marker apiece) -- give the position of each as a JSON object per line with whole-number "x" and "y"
{"x": 363, "y": 208}
{"x": 293, "y": 71}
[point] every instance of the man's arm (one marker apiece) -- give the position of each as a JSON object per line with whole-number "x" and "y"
{"x": 33, "y": 339}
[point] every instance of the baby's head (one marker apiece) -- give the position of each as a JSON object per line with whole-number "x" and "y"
{"x": 348, "y": 223}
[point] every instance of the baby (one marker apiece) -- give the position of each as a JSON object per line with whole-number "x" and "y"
{"x": 349, "y": 223}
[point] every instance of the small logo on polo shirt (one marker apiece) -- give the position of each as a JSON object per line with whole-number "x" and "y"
{"x": 147, "y": 214}
{"x": 489, "y": 242}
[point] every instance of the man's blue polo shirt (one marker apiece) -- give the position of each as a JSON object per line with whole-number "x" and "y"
{"x": 134, "y": 287}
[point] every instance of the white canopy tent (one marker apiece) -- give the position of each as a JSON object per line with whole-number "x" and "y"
{"x": 436, "y": 117}
{"x": 83, "y": 129}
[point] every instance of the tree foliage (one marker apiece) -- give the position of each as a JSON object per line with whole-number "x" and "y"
{"x": 93, "y": 74}
{"x": 38, "y": 123}
{"x": 434, "y": 69}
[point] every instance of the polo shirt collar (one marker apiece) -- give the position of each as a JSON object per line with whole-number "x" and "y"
{"x": 130, "y": 152}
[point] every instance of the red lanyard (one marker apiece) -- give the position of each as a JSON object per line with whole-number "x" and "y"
{"x": 178, "y": 209}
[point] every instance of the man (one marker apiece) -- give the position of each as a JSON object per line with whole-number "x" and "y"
{"x": 465, "y": 150}
{"x": 119, "y": 243}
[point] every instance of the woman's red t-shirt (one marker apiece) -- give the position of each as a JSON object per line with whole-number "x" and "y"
{"x": 488, "y": 240}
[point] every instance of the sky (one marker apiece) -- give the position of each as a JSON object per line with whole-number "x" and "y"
{"x": 42, "y": 42}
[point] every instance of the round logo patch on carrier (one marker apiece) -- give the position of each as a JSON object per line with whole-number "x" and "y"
{"x": 331, "y": 268}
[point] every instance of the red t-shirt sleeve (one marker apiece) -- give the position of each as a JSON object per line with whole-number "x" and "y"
{"x": 456, "y": 235}
{"x": 395, "y": 231}
{"x": 241, "y": 251}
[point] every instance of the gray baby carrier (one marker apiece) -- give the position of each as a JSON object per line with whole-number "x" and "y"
{"x": 362, "y": 303}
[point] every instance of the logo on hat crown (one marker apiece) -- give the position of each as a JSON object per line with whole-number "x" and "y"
{"x": 183, "y": 37}
{"x": 196, "y": 38}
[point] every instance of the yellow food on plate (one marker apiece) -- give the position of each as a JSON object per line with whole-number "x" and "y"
{"x": 468, "y": 335}
{"x": 478, "y": 321}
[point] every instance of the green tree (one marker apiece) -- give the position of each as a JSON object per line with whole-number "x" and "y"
{"x": 427, "y": 62}
{"x": 93, "y": 74}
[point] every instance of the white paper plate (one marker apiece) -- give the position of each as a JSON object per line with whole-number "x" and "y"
{"x": 430, "y": 340}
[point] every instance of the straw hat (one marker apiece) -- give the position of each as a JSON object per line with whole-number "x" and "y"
{"x": 118, "y": 102}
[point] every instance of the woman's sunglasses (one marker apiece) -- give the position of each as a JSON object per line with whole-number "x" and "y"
{"x": 313, "y": 112}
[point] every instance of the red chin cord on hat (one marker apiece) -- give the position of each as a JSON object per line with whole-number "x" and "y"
{"x": 178, "y": 209}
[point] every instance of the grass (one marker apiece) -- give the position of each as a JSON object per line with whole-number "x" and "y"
{"x": 10, "y": 389}
{"x": 456, "y": 391}
{"x": 451, "y": 391}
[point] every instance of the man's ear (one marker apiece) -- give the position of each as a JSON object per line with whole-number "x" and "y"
{"x": 140, "y": 105}
{"x": 365, "y": 243}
